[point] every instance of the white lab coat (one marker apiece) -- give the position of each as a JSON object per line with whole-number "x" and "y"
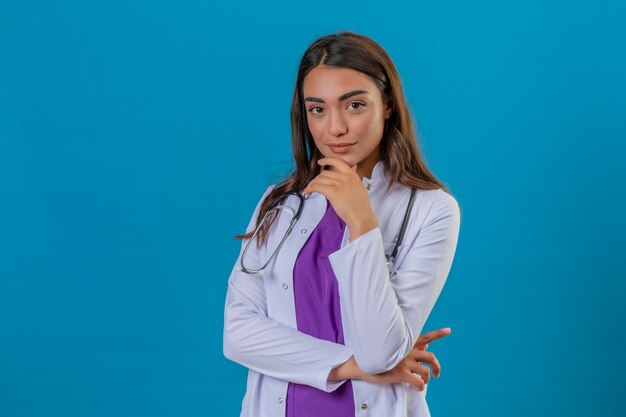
{"x": 382, "y": 313}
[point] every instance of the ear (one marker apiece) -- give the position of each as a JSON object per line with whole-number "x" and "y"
{"x": 388, "y": 109}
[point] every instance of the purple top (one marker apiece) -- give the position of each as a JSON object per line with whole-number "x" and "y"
{"x": 318, "y": 313}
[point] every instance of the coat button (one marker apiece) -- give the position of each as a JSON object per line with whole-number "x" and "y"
{"x": 285, "y": 286}
{"x": 303, "y": 231}
{"x": 280, "y": 400}
{"x": 363, "y": 406}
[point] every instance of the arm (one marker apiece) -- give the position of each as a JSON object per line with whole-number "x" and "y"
{"x": 385, "y": 315}
{"x": 409, "y": 370}
{"x": 266, "y": 346}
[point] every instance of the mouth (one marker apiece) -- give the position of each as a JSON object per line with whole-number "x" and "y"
{"x": 340, "y": 147}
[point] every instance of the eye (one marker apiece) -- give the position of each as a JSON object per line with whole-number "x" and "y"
{"x": 313, "y": 108}
{"x": 359, "y": 105}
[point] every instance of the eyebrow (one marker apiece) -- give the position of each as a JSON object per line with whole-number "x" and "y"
{"x": 341, "y": 97}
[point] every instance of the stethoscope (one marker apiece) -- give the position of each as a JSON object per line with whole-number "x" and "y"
{"x": 296, "y": 215}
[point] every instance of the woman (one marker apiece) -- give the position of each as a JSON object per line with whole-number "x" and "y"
{"x": 327, "y": 327}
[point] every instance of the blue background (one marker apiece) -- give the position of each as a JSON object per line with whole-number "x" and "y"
{"x": 137, "y": 136}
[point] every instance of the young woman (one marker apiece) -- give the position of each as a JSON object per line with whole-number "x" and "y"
{"x": 326, "y": 308}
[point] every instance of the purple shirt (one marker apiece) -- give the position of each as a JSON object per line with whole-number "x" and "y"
{"x": 318, "y": 314}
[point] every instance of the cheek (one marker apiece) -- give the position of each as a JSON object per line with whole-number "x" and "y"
{"x": 317, "y": 133}
{"x": 369, "y": 127}
{"x": 315, "y": 128}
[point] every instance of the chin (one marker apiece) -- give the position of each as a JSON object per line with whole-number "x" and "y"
{"x": 347, "y": 159}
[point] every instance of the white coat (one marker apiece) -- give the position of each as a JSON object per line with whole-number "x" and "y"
{"x": 382, "y": 312}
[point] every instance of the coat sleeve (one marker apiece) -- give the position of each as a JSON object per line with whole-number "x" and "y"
{"x": 384, "y": 315}
{"x": 257, "y": 342}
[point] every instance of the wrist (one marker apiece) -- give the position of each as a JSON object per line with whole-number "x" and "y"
{"x": 361, "y": 227}
{"x": 347, "y": 370}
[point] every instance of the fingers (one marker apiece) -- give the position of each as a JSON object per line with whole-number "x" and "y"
{"x": 419, "y": 355}
{"x": 422, "y": 371}
{"x": 432, "y": 336}
{"x": 325, "y": 177}
{"x": 338, "y": 163}
{"x": 318, "y": 181}
{"x": 436, "y": 367}
{"x": 416, "y": 381}
{"x": 331, "y": 174}
{"x": 333, "y": 168}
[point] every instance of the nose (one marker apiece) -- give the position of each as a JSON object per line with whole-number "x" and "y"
{"x": 337, "y": 125}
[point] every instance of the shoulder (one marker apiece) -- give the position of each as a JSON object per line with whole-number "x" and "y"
{"x": 267, "y": 191}
{"x": 427, "y": 202}
{"x": 444, "y": 206}
{"x": 432, "y": 209}
{"x": 257, "y": 208}
{"x": 445, "y": 201}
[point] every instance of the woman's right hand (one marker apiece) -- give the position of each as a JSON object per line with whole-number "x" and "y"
{"x": 410, "y": 370}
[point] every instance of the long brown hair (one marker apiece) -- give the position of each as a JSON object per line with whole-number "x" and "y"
{"x": 399, "y": 148}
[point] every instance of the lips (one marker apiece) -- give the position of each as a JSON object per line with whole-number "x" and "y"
{"x": 340, "y": 147}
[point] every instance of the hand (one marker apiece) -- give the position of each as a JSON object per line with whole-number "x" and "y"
{"x": 345, "y": 191}
{"x": 406, "y": 370}
{"x": 424, "y": 339}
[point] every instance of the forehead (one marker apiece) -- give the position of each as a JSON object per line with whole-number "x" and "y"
{"x": 330, "y": 83}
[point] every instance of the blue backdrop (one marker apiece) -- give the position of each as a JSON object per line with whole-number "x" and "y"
{"x": 137, "y": 136}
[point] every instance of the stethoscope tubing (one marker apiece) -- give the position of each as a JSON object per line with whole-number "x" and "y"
{"x": 389, "y": 258}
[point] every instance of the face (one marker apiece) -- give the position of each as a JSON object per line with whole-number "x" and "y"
{"x": 344, "y": 106}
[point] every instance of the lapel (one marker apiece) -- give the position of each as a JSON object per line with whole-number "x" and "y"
{"x": 278, "y": 278}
